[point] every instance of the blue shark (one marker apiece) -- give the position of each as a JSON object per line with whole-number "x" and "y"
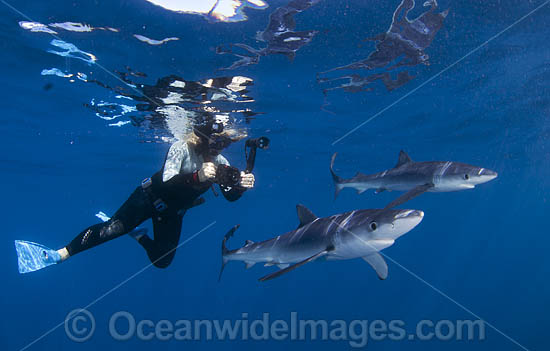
{"x": 416, "y": 178}
{"x": 355, "y": 234}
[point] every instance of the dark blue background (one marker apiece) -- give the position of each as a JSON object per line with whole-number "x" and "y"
{"x": 485, "y": 248}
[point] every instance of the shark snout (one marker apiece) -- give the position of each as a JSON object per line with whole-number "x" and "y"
{"x": 418, "y": 213}
{"x": 406, "y": 220}
{"x": 409, "y": 214}
{"x": 415, "y": 217}
{"x": 485, "y": 175}
{"x": 488, "y": 173}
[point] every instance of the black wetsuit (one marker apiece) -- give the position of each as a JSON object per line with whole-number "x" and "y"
{"x": 179, "y": 194}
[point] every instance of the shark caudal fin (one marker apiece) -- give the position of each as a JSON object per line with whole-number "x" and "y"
{"x": 338, "y": 182}
{"x": 32, "y": 256}
{"x": 225, "y": 250}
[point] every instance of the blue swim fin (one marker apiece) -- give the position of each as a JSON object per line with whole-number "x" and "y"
{"x": 32, "y": 256}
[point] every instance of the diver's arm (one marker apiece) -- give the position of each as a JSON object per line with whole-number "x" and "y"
{"x": 175, "y": 157}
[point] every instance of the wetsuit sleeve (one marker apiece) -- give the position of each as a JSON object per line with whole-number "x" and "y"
{"x": 230, "y": 193}
{"x": 177, "y": 155}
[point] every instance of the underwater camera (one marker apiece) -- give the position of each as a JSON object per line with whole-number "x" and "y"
{"x": 228, "y": 176}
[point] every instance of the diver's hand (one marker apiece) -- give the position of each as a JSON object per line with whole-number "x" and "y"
{"x": 247, "y": 180}
{"x": 207, "y": 173}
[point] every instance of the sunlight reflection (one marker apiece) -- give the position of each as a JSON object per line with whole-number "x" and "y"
{"x": 217, "y": 10}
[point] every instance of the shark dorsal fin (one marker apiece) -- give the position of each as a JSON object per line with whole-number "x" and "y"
{"x": 304, "y": 215}
{"x": 403, "y": 158}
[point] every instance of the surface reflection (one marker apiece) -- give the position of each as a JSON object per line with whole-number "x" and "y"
{"x": 403, "y": 45}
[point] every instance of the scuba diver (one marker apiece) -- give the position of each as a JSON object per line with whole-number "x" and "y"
{"x": 191, "y": 168}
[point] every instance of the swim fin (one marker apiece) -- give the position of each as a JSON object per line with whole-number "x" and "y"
{"x": 32, "y": 256}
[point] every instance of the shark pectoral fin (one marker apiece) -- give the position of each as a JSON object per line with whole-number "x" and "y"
{"x": 283, "y": 265}
{"x": 249, "y": 264}
{"x": 296, "y": 265}
{"x": 269, "y": 264}
{"x": 410, "y": 195}
{"x": 378, "y": 263}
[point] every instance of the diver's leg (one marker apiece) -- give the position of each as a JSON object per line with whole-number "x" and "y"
{"x": 131, "y": 214}
{"x": 162, "y": 249}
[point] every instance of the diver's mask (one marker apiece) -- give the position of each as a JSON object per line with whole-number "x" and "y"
{"x": 210, "y": 134}
{"x": 206, "y": 130}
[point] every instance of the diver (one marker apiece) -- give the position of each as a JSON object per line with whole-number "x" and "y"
{"x": 190, "y": 169}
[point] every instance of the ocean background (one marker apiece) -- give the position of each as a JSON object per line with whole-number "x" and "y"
{"x": 486, "y": 248}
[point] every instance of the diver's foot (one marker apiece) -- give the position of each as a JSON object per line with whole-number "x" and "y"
{"x": 63, "y": 253}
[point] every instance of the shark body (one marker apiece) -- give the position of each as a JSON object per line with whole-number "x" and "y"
{"x": 416, "y": 178}
{"x": 360, "y": 233}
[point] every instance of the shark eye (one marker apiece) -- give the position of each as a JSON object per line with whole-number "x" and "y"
{"x": 373, "y": 226}
{"x": 466, "y": 177}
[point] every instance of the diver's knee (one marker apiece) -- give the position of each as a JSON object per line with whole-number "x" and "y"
{"x": 164, "y": 262}
{"x": 111, "y": 228}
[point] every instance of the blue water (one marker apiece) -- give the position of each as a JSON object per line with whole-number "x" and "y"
{"x": 485, "y": 249}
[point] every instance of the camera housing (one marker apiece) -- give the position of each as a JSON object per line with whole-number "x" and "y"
{"x": 228, "y": 176}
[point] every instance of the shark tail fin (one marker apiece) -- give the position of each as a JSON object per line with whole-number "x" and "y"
{"x": 225, "y": 250}
{"x": 32, "y": 256}
{"x": 338, "y": 182}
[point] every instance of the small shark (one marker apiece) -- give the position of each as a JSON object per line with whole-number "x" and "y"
{"x": 359, "y": 233}
{"x": 416, "y": 178}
